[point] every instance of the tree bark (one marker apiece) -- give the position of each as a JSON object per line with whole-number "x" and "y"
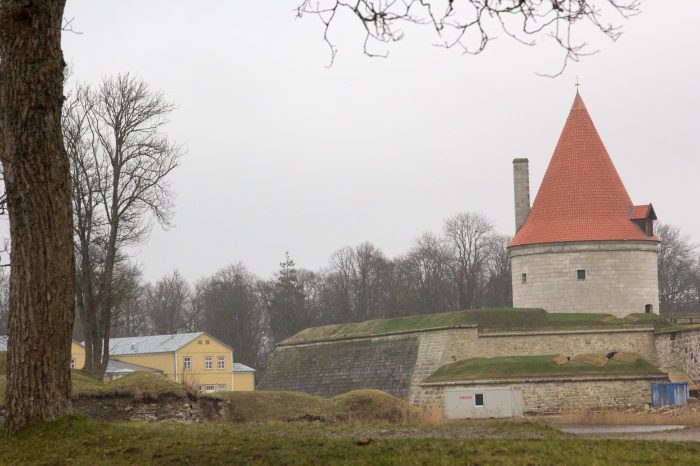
{"x": 37, "y": 182}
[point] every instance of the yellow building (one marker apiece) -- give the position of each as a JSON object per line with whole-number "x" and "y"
{"x": 197, "y": 359}
{"x": 77, "y": 355}
{"x": 243, "y": 378}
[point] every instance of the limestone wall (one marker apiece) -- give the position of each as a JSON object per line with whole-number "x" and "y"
{"x": 398, "y": 363}
{"x": 681, "y": 351}
{"x": 620, "y": 277}
{"x": 560, "y": 394}
{"x": 331, "y": 368}
{"x": 438, "y": 348}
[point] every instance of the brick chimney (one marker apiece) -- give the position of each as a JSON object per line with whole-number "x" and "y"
{"x": 521, "y": 190}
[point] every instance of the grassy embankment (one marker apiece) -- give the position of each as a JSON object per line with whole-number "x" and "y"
{"x": 364, "y": 427}
{"x": 535, "y": 366}
{"x": 83, "y": 442}
{"x": 487, "y": 320}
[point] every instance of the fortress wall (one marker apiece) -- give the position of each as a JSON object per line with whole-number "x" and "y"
{"x": 641, "y": 342}
{"x": 398, "y": 363}
{"x": 556, "y": 395}
{"x": 680, "y": 351}
{"x": 331, "y": 368}
{"x": 621, "y": 277}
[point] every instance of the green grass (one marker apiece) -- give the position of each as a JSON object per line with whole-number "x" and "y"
{"x": 360, "y": 405}
{"x": 78, "y": 441}
{"x": 488, "y": 320}
{"x": 530, "y": 366}
{"x": 137, "y": 385}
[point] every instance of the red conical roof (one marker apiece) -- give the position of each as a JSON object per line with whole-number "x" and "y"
{"x": 581, "y": 197}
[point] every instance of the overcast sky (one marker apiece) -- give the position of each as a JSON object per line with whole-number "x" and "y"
{"x": 286, "y": 154}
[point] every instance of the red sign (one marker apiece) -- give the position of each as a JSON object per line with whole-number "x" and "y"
{"x": 465, "y": 397}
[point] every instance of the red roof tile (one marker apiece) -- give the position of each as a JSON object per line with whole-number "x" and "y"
{"x": 640, "y": 212}
{"x": 581, "y": 197}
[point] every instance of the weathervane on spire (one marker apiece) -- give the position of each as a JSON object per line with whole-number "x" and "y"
{"x": 577, "y": 84}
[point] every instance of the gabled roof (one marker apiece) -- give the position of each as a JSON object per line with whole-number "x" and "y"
{"x": 641, "y": 212}
{"x": 152, "y": 344}
{"x": 581, "y": 197}
{"x": 238, "y": 367}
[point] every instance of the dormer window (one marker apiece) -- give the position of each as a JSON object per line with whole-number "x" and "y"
{"x": 643, "y": 216}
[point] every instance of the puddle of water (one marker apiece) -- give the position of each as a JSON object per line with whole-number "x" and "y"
{"x": 606, "y": 429}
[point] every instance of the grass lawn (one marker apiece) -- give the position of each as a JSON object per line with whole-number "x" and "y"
{"x": 517, "y": 366}
{"x": 78, "y": 441}
{"x": 501, "y": 319}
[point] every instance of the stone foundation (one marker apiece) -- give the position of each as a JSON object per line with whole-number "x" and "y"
{"x": 559, "y": 394}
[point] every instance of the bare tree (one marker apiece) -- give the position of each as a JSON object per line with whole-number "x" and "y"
{"x": 425, "y": 272}
{"x": 499, "y": 285}
{"x": 120, "y": 159}
{"x": 679, "y": 270}
{"x": 355, "y": 284}
{"x": 167, "y": 303}
{"x": 38, "y": 189}
{"x": 470, "y": 24}
{"x": 469, "y": 236}
{"x": 234, "y": 312}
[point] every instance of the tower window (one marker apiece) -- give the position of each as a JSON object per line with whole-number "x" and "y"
{"x": 479, "y": 399}
{"x": 581, "y": 274}
{"x": 524, "y": 278}
{"x": 648, "y": 308}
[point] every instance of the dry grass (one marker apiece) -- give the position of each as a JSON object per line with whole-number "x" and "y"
{"x": 139, "y": 385}
{"x": 688, "y": 414}
{"x": 592, "y": 359}
{"x": 359, "y": 406}
{"x": 626, "y": 357}
{"x": 560, "y": 360}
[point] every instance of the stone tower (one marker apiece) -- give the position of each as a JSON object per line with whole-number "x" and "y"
{"x": 583, "y": 246}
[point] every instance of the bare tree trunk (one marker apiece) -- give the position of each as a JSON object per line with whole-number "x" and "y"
{"x": 37, "y": 182}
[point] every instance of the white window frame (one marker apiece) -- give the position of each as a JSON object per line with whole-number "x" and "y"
{"x": 72, "y": 363}
{"x": 210, "y": 388}
{"x": 187, "y": 363}
{"x": 208, "y": 362}
{"x": 199, "y": 389}
{"x": 221, "y": 362}
{"x": 221, "y": 387}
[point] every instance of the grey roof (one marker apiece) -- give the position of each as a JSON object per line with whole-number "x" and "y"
{"x": 119, "y": 367}
{"x": 238, "y": 367}
{"x": 152, "y": 344}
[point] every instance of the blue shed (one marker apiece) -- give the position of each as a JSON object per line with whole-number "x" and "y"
{"x": 670, "y": 393}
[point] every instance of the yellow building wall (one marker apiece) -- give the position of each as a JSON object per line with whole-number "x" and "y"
{"x": 77, "y": 354}
{"x": 244, "y": 381}
{"x": 198, "y": 375}
{"x": 161, "y": 361}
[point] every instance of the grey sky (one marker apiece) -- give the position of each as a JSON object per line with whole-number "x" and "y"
{"x": 286, "y": 154}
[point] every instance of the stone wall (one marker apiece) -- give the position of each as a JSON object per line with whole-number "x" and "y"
{"x": 681, "y": 351}
{"x": 620, "y": 276}
{"x": 398, "y": 363}
{"x": 331, "y": 368}
{"x": 561, "y": 394}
